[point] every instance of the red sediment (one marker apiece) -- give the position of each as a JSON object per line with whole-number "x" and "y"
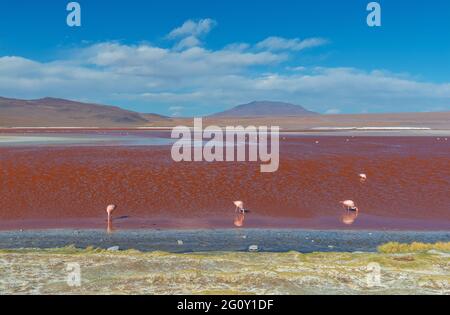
{"x": 408, "y": 181}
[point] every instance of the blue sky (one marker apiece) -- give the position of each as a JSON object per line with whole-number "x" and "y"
{"x": 202, "y": 56}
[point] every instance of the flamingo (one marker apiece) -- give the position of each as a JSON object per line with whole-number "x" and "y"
{"x": 240, "y": 217}
{"x": 351, "y": 213}
{"x": 239, "y": 206}
{"x": 109, "y": 210}
{"x": 362, "y": 177}
{"x": 349, "y": 205}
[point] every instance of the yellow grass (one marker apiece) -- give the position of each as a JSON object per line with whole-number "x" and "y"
{"x": 393, "y": 247}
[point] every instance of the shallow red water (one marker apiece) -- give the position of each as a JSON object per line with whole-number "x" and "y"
{"x": 407, "y": 188}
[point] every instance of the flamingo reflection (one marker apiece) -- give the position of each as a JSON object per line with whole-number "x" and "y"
{"x": 239, "y": 220}
{"x": 349, "y": 217}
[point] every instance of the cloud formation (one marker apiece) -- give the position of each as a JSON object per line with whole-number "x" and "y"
{"x": 192, "y": 79}
{"x": 296, "y": 44}
{"x": 190, "y": 32}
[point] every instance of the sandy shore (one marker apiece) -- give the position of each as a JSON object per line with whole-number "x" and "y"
{"x": 131, "y": 272}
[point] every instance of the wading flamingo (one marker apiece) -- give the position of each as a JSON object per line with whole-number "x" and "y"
{"x": 239, "y": 206}
{"x": 109, "y": 210}
{"x": 240, "y": 214}
{"x": 351, "y": 212}
{"x": 349, "y": 205}
{"x": 363, "y": 178}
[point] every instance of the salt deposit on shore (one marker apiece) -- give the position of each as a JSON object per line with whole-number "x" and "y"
{"x": 132, "y": 272}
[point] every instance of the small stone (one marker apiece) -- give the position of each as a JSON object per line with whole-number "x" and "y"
{"x": 253, "y": 248}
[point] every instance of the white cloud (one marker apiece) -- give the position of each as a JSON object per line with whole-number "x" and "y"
{"x": 176, "y": 111}
{"x": 298, "y": 68}
{"x": 188, "y": 42}
{"x": 296, "y": 44}
{"x": 202, "y": 80}
{"x": 332, "y": 111}
{"x": 193, "y": 28}
{"x": 189, "y": 34}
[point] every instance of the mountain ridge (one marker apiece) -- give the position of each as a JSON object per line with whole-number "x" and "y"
{"x": 265, "y": 109}
{"x": 51, "y": 112}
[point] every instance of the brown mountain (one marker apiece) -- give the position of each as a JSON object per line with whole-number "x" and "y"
{"x": 266, "y": 109}
{"x": 152, "y": 117}
{"x": 53, "y": 112}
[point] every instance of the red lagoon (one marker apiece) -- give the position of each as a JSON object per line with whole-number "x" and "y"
{"x": 407, "y": 186}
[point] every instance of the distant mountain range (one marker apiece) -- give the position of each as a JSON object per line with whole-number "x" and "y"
{"x": 266, "y": 109}
{"x": 54, "y": 112}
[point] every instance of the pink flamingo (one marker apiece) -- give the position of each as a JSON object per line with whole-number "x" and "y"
{"x": 109, "y": 210}
{"x": 239, "y": 206}
{"x": 351, "y": 213}
{"x": 363, "y": 178}
{"x": 349, "y": 205}
{"x": 240, "y": 213}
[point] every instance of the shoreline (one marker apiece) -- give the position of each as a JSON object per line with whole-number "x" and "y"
{"x": 253, "y": 221}
{"x": 319, "y": 129}
{"x": 187, "y": 229}
{"x": 219, "y": 240}
{"x": 133, "y": 272}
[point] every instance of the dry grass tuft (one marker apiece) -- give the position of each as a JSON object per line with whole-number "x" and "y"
{"x": 393, "y": 247}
